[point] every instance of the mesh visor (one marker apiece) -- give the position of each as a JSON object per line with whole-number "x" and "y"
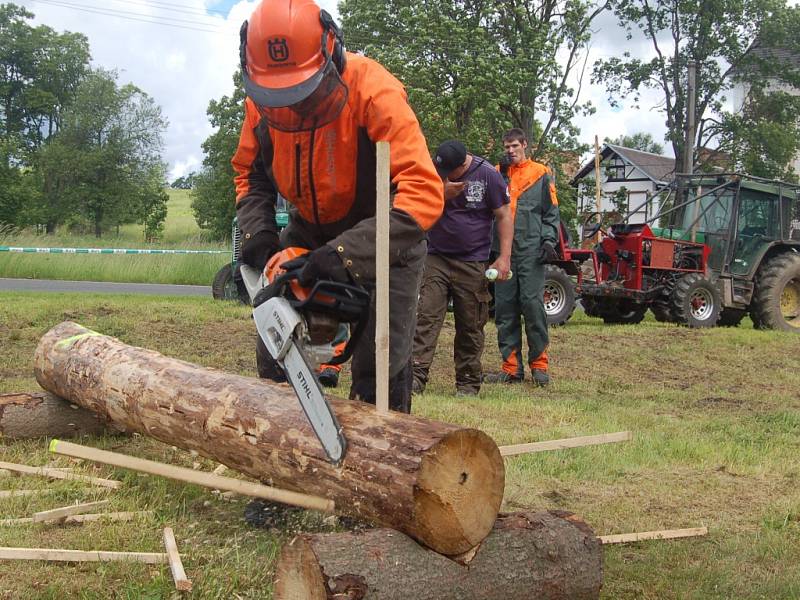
{"x": 316, "y": 109}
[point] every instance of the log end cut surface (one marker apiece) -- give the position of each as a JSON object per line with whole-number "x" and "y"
{"x": 459, "y": 491}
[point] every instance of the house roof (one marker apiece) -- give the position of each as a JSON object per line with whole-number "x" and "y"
{"x": 660, "y": 169}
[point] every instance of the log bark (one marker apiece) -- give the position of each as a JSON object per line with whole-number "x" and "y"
{"x": 40, "y": 414}
{"x": 527, "y": 556}
{"x": 439, "y": 483}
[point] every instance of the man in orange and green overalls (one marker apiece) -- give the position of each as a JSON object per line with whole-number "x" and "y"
{"x": 535, "y": 208}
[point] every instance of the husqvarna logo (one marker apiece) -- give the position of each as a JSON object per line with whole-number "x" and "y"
{"x": 278, "y": 49}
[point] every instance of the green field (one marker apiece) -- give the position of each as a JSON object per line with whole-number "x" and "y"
{"x": 715, "y": 416}
{"x": 180, "y": 232}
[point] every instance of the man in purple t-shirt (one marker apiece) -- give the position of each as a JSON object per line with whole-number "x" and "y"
{"x": 458, "y": 249}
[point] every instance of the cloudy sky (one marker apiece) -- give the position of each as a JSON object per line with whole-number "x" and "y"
{"x": 184, "y": 53}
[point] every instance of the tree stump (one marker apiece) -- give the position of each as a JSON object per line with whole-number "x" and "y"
{"x": 527, "y": 556}
{"x": 40, "y": 414}
{"x": 439, "y": 483}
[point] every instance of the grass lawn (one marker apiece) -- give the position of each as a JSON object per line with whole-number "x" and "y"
{"x": 715, "y": 416}
{"x": 180, "y": 232}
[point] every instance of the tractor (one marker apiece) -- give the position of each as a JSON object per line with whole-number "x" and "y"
{"x": 729, "y": 245}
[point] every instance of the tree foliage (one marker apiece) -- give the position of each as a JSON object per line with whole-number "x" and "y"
{"x": 104, "y": 167}
{"x": 730, "y": 42}
{"x": 638, "y": 141}
{"x": 214, "y": 196}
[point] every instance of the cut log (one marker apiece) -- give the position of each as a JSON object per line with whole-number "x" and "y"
{"x": 527, "y": 556}
{"x": 40, "y": 414}
{"x": 439, "y": 483}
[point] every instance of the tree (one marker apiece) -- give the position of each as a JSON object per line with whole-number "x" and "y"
{"x": 185, "y": 182}
{"x": 638, "y": 141}
{"x": 723, "y": 37}
{"x": 102, "y": 164}
{"x": 214, "y": 196}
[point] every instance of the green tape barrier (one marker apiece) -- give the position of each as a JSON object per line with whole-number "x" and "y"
{"x": 105, "y": 251}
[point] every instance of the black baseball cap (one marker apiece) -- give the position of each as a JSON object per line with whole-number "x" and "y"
{"x": 449, "y": 156}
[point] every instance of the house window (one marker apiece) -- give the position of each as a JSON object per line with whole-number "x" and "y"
{"x": 615, "y": 169}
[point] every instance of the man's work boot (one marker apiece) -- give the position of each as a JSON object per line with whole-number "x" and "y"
{"x": 329, "y": 377}
{"x": 501, "y": 377}
{"x": 540, "y": 377}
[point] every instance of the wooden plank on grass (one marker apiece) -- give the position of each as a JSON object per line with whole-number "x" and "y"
{"x": 182, "y": 583}
{"x": 667, "y": 534}
{"x": 576, "y": 442}
{"x": 56, "y": 514}
{"x": 54, "y": 474}
{"x": 59, "y": 555}
{"x": 202, "y": 478}
{"x": 88, "y": 518}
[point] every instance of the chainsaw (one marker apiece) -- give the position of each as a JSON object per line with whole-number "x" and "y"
{"x": 298, "y": 326}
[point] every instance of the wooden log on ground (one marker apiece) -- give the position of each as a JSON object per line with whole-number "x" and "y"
{"x": 527, "y": 556}
{"x": 41, "y": 414}
{"x": 439, "y": 483}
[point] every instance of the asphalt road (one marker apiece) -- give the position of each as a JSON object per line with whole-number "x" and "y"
{"x": 101, "y": 287}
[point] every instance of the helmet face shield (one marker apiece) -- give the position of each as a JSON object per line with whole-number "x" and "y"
{"x": 309, "y": 105}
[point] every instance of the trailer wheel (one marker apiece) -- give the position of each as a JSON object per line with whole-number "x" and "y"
{"x": 731, "y": 317}
{"x": 225, "y": 286}
{"x": 776, "y": 301}
{"x": 662, "y": 312}
{"x": 623, "y": 312}
{"x": 559, "y": 295}
{"x": 695, "y": 301}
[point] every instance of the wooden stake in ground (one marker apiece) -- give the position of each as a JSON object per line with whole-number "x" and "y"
{"x": 41, "y": 414}
{"x": 383, "y": 181}
{"x": 441, "y": 484}
{"x": 527, "y": 556}
{"x": 182, "y": 584}
{"x": 576, "y": 442}
{"x": 57, "y": 474}
{"x": 57, "y": 514}
{"x": 191, "y": 476}
{"x": 53, "y": 554}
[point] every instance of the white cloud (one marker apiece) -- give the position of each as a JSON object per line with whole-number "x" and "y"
{"x": 182, "y": 64}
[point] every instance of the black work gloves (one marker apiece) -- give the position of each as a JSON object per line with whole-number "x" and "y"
{"x": 322, "y": 263}
{"x": 505, "y": 162}
{"x": 548, "y": 253}
{"x": 258, "y": 249}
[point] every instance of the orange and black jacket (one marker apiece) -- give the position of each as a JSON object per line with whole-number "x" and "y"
{"x": 328, "y": 174}
{"x": 534, "y": 206}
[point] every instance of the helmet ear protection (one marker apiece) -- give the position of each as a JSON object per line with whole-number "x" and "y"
{"x": 337, "y": 57}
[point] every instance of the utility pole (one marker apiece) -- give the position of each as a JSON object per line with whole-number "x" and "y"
{"x": 597, "y": 196}
{"x": 688, "y": 144}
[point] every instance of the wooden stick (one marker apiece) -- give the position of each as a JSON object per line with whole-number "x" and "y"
{"x": 41, "y": 492}
{"x": 667, "y": 534}
{"x": 182, "y": 584}
{"x": 111, "y": 516}
{"x": 53, "y": 554}
{"x": 576, "y": 442}
{"x": 220, "y": 470}
{"x": 56, "y": 514}
{"x": 190, "y": 476}
{"x": 383, "y": 181}
{"x": 53, "y": 474}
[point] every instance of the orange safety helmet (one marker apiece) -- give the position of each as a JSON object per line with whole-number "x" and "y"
{"x": 292, "y": 55}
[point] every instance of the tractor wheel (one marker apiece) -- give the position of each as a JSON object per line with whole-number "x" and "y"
{"x": 559, "y": 295}
{"x": 225, "y": 286}
{"x": 731, "y": 317}
{"x": 623, "y": 312}
{"x": 695, "y": 301}
{"x": 662, "y": 312}
{"x": 776, "y": 300}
